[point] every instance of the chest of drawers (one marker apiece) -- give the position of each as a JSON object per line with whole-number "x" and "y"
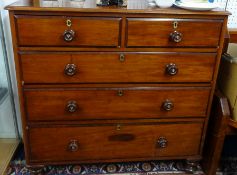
{"x": 114, "y": 84}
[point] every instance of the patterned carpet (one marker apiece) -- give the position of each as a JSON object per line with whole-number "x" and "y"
{"x": 17, "y": 167}
{"x": 132, "y": 168}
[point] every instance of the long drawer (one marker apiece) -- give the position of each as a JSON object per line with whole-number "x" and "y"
{"x": 122, "y": 141}
{"x": 116, "y": 103}
{"x": 68, "y": 31}
{"x": 113, "y": 67}
{"x": 165, "y": 32}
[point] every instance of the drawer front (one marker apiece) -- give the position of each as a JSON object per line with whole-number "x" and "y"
{"x": 154, "y": 32}
{"x": 112, "y": 103}
{"x": 53, "y": 31}
{"x": 114, "y": 142}
{"x": 111, "y": 67}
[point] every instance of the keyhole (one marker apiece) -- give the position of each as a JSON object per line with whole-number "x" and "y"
{"x": 69, "y": 23}
{"x": 118, "y": 127}
{"x": 175, "y": 25}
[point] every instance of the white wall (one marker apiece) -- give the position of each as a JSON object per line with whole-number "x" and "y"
{"x": 8, "y": 40}
{"x": 3, "y": 80}
{"x": 7, "y": 127}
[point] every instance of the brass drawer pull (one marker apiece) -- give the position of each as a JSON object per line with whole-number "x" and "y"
{"x": 120, "y": 93}
{"x": 69, "y": 35}
{"x": 176, "y": 37}
{"x": 72, "y": 106}
{"x": 70, "y": 69}
{"x": 171, "y": 69}
{"x": 168, "y": 105}
{"x": 162, "y": 142}
{"x": 121, "y": 57}
{"x": 73, "y": 145}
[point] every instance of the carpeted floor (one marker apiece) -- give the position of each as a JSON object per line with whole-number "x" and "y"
{"x": 17, "y": 167}
{"x": 132, "y": 168}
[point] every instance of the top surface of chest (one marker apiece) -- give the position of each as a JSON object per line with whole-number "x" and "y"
{"x": 133, "y": 7}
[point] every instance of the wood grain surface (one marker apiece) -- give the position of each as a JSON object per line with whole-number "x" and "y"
{"x": 108, "y": 68}
{"x": 107, "y": 142}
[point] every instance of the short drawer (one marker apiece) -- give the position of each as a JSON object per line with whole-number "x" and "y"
{"x": 113, "y": 67}
{"x": 68, "y": 31}
{"x": 122, "y": 141}
{"x": 116, "y": 103}
{"x": 158, "y": 32}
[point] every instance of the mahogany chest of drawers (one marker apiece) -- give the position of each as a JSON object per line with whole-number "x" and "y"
{"x": 114, "y": 84}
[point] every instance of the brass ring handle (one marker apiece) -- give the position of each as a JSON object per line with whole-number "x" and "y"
{"x": 73, "y": 145}
{"x": 72, "y": 106}
{"x": 176, "y": 37}
{"x": 171, "y": 69}
{"x": 68, "y": 35}
{"x": 162, "y": 142}
{"x": 70, "y": 69}
{"x": 168, "y": 105}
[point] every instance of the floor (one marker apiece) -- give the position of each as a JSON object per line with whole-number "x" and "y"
{"x": 7, "y": 149}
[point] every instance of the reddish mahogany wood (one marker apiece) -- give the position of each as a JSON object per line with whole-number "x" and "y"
{"x": 233, "y": 36}
{"x": 109, "y": 142}
{"x": 122, "y": 49}
{"x": 107, "y": 32}
{"x": 49, "y": 30}
{"x": 217, "y": 131}
{"x": 102, "y": 103}
{"x": 146, "y": 32}
{"x": 103, "y": 67}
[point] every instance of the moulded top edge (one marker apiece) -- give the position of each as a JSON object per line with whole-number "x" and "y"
{"x": 90, "y": 6}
